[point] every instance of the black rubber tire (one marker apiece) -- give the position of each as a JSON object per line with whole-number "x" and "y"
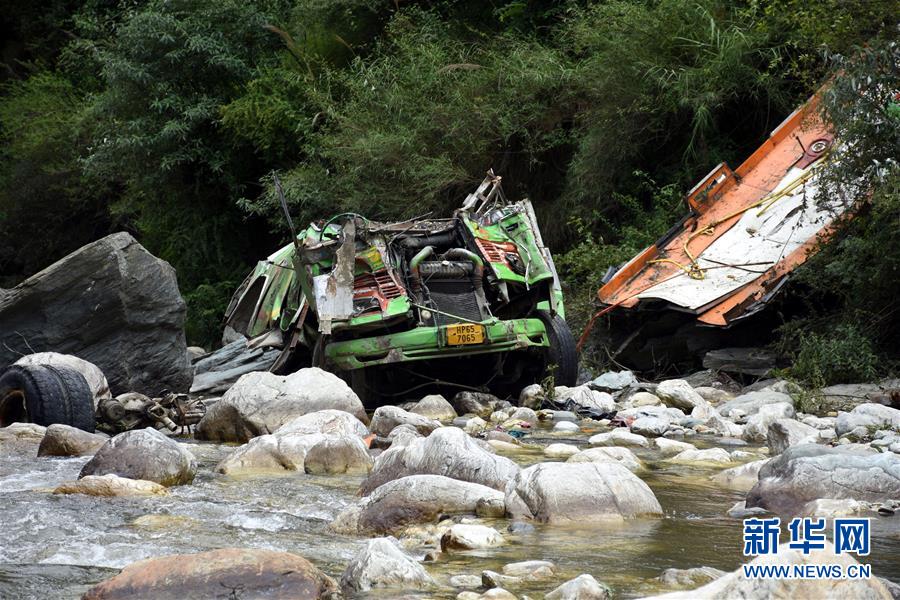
{"x": 562, "y": 356}
{"x": 50, "y": 394}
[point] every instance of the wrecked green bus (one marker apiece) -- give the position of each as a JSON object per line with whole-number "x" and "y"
{"x": 397, "y": 309}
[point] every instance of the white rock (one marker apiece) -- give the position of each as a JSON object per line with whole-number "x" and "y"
{"x": 749, "y": 403}
{"x": 619, "y": 437}
{"x": 672, "y": 447}
{"x": 560, "y": 450}
{"x": 566, "y": 426}
{"x": 380, "y": 564}
{"x": 868, "y": 415}
{"x": 708, "y": 456}
{"x": 785, "y": 433}
{"x": 470, "y": 537}
{"x": 644, "y": 399}
{"x": 650, "y": 426}
{"x": 742, "y": 477}
{"x": 580, "y": 493}
{"x": 680, "y": 394}
{"x": 111, "y": 485}
{"x": 583, "y": 587}
{"x": 757, "y": 427}
{"x": 435, "y": 407}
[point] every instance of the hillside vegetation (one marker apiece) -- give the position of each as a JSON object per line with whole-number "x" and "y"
{"x": 166, "y": 118}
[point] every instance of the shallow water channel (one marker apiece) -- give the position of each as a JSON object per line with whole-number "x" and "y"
{"x": 57, "y": 546}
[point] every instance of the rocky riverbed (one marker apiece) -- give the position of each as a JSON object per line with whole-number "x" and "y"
{"x": 464, "y": 498}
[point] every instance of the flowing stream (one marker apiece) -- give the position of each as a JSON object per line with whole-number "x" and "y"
{"x": 57, "y": 546}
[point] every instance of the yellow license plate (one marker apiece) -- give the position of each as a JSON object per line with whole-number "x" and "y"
{"x": 465, "y": 333}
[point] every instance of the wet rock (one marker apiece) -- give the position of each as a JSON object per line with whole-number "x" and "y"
{"x": 868, "y": 415}
{"x": 722, "y": 426}
{"x": 650, "y": 426}
{"x": 679, "y": 394}
{"x": 475, "y": 426}
{"x": 287, "y": 448}
{"x": 742, "y": 477}
{"x": 447, "y": 451}
{"x": 63, "y": 440}
{"x": 476, "y": 403}
{"x": 619, "y": 437}
{"x": 111, "y": 485}
{"x": 261, "y": 402}
{"x": 435, "y": 407}
{"x": 828, "y": 508}
{"x": 672, "y": 447}
{"x": 529, "y": 569}
{"x": 247, "y": 573}
{"x": 579, "y": 492}
{"x": 418, "y": 499}
{"x": 492, "y": 594}
{"x": 560, "y": 451}
{"x": 623, "y": 456}
{"x": 808, "y": 472}
{"x": 92, "y": 374}
{"x": 740, "y": 511}
{"x": 470, "y": 537}
{"x": 402, "y": 435}
{"x": 757, "y": 427}
{"x": 583, "y": 587}
{"x": 613, "y": 381}
{"x": 785, "y": 433}
{"x": 711, "y": 456}
{"x": 143, "y": 454}
{"x": 689, "y": 577}
{"x": 566, "y": 426}
{"x": 750, "y": 403}
{"x": 338, "y": 455}
{"x": 583, "y": 398}
{"x": 644, "y": 399}
{"x": 532, "y": 396}
{"x": 111, "y": 303}
{"x": 386, "y": 418}
{"x": 21, "y": 438}
{"x": 383, "y": 564}
{"x": 734, "y": 585}
{"x": 492, "y": 579}
{"x": 520, "y": 527}
{"x": 465, "y": 581}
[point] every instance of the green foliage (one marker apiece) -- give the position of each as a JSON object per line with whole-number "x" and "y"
{"x": 206, "y": 304}
{"x": 841, "y": 356}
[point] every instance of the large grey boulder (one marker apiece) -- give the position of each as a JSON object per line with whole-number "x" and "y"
{"x": 64, "y": 440}
{"x": 143, "y": 454}
{"x": 579, "y": 493}
{"x": 757, "y": 427}
{"x": 735, "y": 585}
{"x": 92, "y": 374}
{"x": 387, "y": 417}
{"x": 383, "y": 564}
{"x": 470, "y": 536}
{"x": 418, "y": 499}
{"x": 447, "y": 451}
{"x": 261, "y": 402}
{"x": 785, "y": 433}
{"x": 288, "y": 448}
{"x": 808, "y": 472}
{"x": 874, "y": 416}
{"x": 623, "y": 456}
{"x": 338, "y": 455}
{"x": 111, "y": 303}
{"x": 847, "y": 396}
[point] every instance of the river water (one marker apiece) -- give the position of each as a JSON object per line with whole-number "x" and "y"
{"x": 57, "y": 546}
